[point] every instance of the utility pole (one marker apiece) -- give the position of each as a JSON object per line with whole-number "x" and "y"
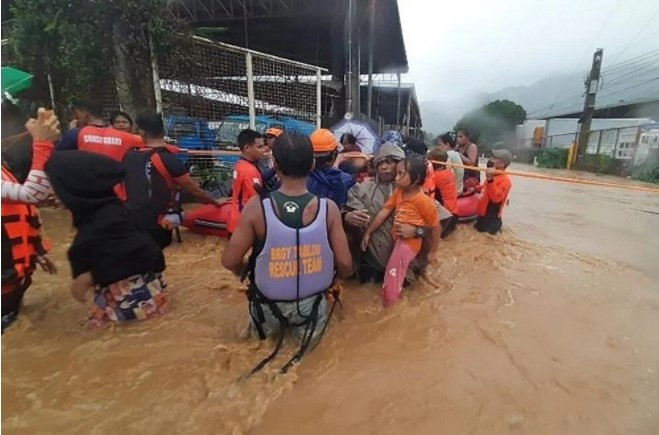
{"x": 371, "y": 44}
{"x": 589, "y": 105}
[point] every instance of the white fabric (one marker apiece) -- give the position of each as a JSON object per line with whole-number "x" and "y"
{"x": 36, "y": 188}
{"x": 458, "y": 173}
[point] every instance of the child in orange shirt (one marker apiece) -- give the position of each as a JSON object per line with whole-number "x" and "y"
{"x": 412, "y": 207}
{"x": 446, "y": 192}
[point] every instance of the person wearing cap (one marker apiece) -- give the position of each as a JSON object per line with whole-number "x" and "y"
{"x": 365, "y": 200}
{"x": 495, "y": 193}
{"x": 270, "y": 135}
{"x": 327, "y": 181}
{"x": 266, "y": 163}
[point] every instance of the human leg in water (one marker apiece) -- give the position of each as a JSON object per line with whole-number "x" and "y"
{"x": 488, "y": 224}
{"x": 448, "y": 225}
{"x": 394, "y": 276}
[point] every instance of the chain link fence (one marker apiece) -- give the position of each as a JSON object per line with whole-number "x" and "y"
{"x": 614, "y": 150}
{"x": 210, "y": 91}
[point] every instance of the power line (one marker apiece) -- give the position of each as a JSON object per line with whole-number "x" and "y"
{"x": 641, "y": 70}
{"x": 606, "y": 94}
{"x": 631, "y": 41}
{"x": 618, "y": 71}
{"x": 629, "y": 63}
{"x": 603, "y": 94}
{"x": 606, "y": 21}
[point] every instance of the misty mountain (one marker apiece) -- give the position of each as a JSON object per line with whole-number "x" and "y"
{"x": 554, "y": 95}
{"x": 560, "y": 90}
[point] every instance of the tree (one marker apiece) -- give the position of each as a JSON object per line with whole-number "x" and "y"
{"x": 85, "y": 46}
{"x": 493, "y": 122}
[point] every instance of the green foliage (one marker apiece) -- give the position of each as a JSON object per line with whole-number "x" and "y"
{"x": 647, "y": 171}
{"x": 553, "y": 158}
{"x": 492, "y": 122}
{"x": 604, "y": 164}
{"x": 72, "y": 40}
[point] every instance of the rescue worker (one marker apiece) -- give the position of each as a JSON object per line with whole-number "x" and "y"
{"x": 298, "y": 244}
{"x": 446, "y": 193}
{"x": 247, "y": 179}
{"x": 22, "y": 245}
{"x": 94, "y": 135}
{"x": 325, "y": 180}
{"x": 154, "y": 176}
{"x": 495, "y": 193}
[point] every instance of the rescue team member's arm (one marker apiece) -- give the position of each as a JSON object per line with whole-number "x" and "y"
{"x": 182, "y": 178}
{"x": 81, "y": 285}
{"x": 243, "y": 238}
{"x": 188, "y": 184}
{"x": 338, "y": 241}
{"x": 497, "y": 189}
{"x": 36, "y": 189}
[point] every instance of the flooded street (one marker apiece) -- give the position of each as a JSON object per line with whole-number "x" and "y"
{"x": 550, "y": 327}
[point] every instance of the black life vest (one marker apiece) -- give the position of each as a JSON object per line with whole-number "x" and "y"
{"x": 142, "y": 166}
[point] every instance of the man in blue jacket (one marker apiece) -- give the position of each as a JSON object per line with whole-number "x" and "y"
{"x": 325, "y": 180}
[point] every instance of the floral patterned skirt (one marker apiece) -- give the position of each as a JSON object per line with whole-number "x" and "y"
{"x": 136, "y": 298}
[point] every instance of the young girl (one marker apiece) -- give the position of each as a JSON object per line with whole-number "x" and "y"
{"x": 110, "y": 255}
{"x": 412, "y": 207}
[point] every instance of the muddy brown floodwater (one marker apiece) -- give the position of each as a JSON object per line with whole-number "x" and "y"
{"x": 551, "y": 327}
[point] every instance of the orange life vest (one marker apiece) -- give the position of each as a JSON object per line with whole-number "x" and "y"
{"x": 20, "y": 225}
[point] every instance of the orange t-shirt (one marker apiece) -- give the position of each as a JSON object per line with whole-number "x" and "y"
{"x": 445, "y": 184}
{"x": 245, "y": 176}
{"x": 494, "y": 192}
{"x": 107, "y": 141}
{"x": 418, "y": 210}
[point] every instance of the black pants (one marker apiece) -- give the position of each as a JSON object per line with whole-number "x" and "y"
{"x": 448, "y": 225}
{"x": 11, "y": 302}
{"x": 489, "y": 224}
{"x": 161, "y": 236}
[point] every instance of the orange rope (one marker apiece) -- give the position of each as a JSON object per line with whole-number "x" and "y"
{"x": 475, "y": 168}
{"x": 551, "y": 178}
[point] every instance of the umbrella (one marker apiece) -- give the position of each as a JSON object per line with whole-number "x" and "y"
{"x": 14, "y": 80}
{"x": 366, "y": 137}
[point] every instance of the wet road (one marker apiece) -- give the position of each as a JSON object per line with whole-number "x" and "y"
{"x": 550, "y": 327}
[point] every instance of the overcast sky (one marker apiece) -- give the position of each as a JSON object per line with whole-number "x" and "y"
{"x": 459, "y": 47}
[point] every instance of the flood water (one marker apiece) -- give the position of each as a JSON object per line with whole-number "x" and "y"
{"x": 551, "y": 327}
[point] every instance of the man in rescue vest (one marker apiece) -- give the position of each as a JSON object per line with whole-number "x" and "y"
{"x": 297, "y": 243}
{"x": 247, "y": 178}
{"x": 94, "y": 135}
{"x": 22, "y": 245}
{"x": 495, "y": 193}
{"x": 153, "y": 176}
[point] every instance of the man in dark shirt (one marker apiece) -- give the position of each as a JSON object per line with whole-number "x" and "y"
{"x": 154, "y": 176}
